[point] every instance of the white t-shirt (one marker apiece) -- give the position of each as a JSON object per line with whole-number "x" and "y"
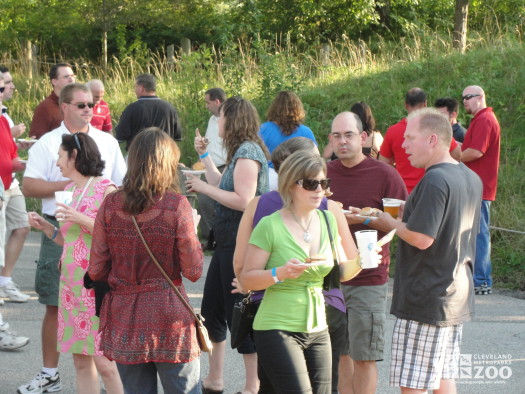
{"x": 215, "y": 149}
{"x": 43, "y": 156}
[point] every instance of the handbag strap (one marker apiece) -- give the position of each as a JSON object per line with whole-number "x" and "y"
{"x": 334, "y": 250}
{"x": 186, "y": 304}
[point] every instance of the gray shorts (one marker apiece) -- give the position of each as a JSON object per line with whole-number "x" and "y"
{"x": 47, "y": 276}
{"x": 366, "y": 321}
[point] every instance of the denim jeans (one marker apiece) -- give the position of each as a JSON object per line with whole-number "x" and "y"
{"x": 175, "y": 377}
{"x": 482, "y": 264}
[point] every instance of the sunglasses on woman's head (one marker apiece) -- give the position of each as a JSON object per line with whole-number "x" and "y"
{"x": 312, "y": 184}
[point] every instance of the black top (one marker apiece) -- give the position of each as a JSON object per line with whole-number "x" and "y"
{"x": 458, "y": 132}
{"x": 148, "y": 111}
{"x": 434, "y": 286}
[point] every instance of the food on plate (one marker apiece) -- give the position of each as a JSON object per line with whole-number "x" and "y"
{"x": 367, "y": 211}
{"x": 314, "y": 258}
{"x": 198, "y": 166}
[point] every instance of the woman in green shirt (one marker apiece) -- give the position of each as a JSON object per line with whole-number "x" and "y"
{"x": 290, "y": 327}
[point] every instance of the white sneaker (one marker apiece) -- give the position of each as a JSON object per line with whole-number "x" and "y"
{"x": 11, "y": 291}
{"x": 42, "y": 383}
{"x": 1, "y": 302}
{"x": 4, "y": 327}
{"x": 9, "y": 341}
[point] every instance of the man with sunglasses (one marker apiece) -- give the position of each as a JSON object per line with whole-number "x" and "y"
{"x": 13, "y": 219}
{"x": 359, "y": 181}
{"x": 47, "y": 115}
{"x": 42, "y": 179}
{"x": 481, "y": 150}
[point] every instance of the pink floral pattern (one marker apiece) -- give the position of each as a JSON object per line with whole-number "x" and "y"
{"x": 61, "y": 325}
{"x": 88, "y": 297}
{"x": 83, "y": 325}
{"x": 68, "y": 298}
{"x": 77, "y": 323}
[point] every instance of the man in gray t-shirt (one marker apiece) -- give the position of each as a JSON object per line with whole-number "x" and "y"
{"x": 433, "y": 286}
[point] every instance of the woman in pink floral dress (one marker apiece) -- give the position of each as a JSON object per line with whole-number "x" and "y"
{"x": 79, "y": 160}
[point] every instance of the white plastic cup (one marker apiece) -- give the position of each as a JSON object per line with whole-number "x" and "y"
{"x": 63, "y": 197}
{"x": 366, "y": 241}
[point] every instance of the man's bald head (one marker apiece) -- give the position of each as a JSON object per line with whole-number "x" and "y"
{"x": 474, "y": 99}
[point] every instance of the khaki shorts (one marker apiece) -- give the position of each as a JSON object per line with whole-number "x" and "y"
{"x": 13, "y": 215}
{"x": 366, "y": 321}
{"x": 47, "y": 276}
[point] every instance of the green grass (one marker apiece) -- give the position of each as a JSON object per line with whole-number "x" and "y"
{"x": 377, "y": 72}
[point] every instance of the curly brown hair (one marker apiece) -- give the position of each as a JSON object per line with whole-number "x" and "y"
{"x": 153, "y": 162}
{"x": 241, "y": 124}
{"x": 286, "y": 111}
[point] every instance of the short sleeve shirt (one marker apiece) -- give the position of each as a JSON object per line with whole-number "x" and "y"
{"x": 295, "y": 305}
{"x": 435, "y": 286}
{"x": 227, "y": 219}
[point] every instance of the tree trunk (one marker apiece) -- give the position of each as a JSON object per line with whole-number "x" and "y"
{"x": 460, "y": 25}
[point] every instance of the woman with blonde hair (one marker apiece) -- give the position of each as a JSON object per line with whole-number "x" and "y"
{"x": 285, "y": 120}
{"x": 245, "y": 176}
{"x": 294, "y": 348}
{"x": 145, "y": 327}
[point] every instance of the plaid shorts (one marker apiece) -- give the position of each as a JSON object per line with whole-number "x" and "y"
{"x": 422, "y": 354}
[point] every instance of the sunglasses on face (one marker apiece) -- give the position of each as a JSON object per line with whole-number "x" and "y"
{"x": 469, "y": 96}
{"x": 2, "y": 89}
{"x": 312, "y": 184}
{"x": 83, "y": 105}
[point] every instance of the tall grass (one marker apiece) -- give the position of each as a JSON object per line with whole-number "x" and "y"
{"x": 329, "y": 79}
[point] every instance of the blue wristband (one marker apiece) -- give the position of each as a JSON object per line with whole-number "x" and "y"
{"x": 55, "y": 233}
{"x": 274, "y": 275}
{"x": 367, "y": 221}
{"x": 204, "y": 155}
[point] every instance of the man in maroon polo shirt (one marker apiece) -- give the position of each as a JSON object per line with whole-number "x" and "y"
{"x": 47, "y": 115}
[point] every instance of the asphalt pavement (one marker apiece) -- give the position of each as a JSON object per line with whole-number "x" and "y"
{"x": 492, "y": 352}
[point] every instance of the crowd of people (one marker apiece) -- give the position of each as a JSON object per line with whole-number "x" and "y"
{"x": 268, "y": 207}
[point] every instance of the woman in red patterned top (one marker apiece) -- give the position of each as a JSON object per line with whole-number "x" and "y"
{"x": 145, "y": 327}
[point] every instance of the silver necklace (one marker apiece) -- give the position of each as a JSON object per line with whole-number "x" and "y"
{"x": 306, "y": 235}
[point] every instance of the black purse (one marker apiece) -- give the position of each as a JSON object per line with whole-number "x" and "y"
{"x": 243, "y": 314}
{"x": 332, "y": 280}
{"x": 101, "y": 288}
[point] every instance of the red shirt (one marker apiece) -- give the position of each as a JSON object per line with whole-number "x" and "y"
{"x": 483, "y": 135}
{"x": 391, "y": 148}
{"x": 47, "y": 116}
{"x": 8, "y": 152}
{"x": 353, "y": 187}
{"x": 101, "y": 117}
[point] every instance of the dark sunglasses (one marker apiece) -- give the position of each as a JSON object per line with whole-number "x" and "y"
{"x": 312, "y": 184}
{"x": 83, "y": 105}
{"x": 469, "y": 96}
{"x": 77, "y": 141}
{"x": 2, "y": 89}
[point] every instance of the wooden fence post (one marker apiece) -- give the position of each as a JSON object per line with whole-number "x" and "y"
{"x": 185, "y": 43}
{"x": 170, "y": 54}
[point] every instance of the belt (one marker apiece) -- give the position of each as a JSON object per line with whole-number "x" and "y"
{"x": 46, "y": 216}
